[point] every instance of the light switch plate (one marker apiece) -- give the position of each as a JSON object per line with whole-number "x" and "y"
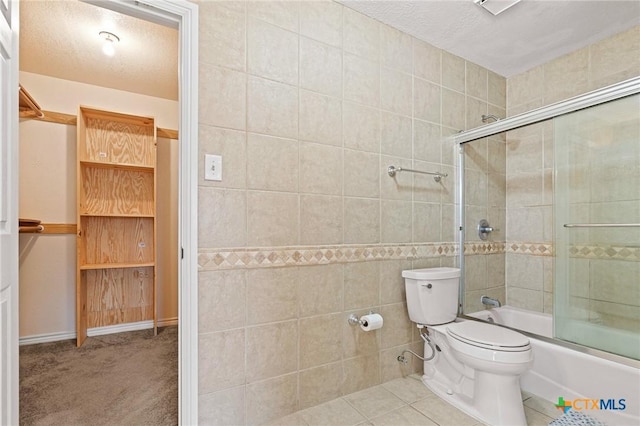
{"x": 212, "y": 167}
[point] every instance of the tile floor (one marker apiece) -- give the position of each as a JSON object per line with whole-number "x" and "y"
{"x": 403, "y": 402}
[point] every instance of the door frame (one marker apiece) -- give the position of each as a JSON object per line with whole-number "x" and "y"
{"x": 9, "y": 362}
{"x": 182, "y": 15}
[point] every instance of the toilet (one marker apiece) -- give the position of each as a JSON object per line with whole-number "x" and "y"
{"x": 474, "y": 366}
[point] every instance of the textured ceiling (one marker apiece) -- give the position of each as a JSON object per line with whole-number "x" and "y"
{"x": 60, "y": 39}
{"x": 528, "y": 34}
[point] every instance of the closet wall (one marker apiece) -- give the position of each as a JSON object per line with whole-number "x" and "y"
{"x": 48, "y": 193}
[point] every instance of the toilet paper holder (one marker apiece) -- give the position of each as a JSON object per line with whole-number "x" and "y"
{"x": 354, "y": 320}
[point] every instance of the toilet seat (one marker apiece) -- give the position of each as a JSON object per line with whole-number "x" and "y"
{"x": 488, "y": 336}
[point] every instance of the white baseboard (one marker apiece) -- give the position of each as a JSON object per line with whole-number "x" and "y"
{"x": 97, "y": 331}
{"x": 46, "y": 338}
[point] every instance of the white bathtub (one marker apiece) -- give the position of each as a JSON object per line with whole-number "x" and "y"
{"x": 562, "y": 372}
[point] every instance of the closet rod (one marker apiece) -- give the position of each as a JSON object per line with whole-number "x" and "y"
{"x": 49, "y": 228}
{"x": 31, "y": 229}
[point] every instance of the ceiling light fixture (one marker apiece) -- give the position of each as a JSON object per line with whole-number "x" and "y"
{"x": 496, "y": 6}
{"x": 110, "y": 40}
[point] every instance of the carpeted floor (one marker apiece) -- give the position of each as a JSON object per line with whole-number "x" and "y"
{"x": 118, "y": 379}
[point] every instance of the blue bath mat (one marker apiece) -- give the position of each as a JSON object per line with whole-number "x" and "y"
{"x": 575, "y": 418}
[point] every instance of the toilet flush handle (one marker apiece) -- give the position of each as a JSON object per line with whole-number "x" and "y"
{"x": 429, "y": 285}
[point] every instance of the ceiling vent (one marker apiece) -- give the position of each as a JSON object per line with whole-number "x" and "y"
{"x": 496, "y": 6}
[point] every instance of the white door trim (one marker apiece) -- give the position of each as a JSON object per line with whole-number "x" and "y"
{"x": 9, "y": 365}
{"x": 183, "y": 15}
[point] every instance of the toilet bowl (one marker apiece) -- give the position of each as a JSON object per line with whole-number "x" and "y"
{"x": 496, "y": 348}
{"x": 475, "y": 366}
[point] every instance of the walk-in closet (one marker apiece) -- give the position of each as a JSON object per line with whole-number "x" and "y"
{"x": 98, "y": 182}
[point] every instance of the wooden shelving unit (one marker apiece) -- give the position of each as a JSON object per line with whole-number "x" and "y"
{"x": 116, "y": 273}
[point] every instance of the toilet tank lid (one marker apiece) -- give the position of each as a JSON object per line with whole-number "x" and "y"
{"x": 431, "y": 273}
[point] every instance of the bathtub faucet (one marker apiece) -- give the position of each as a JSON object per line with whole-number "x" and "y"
{"x": 486, "y": 300}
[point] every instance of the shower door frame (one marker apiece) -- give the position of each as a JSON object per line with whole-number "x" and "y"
{"x": 607, "y": 94}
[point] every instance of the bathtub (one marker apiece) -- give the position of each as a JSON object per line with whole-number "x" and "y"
{"x": 559, "y": 371}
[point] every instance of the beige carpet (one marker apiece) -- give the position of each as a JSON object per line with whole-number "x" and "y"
{"x": 118, "y": 379}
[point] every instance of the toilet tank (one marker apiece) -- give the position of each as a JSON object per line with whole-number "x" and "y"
{"x": 432, "y": 294}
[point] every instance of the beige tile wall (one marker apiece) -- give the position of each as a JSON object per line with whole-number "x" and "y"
{"x": 309, "y": 103}
{"x": 530, "y": 159}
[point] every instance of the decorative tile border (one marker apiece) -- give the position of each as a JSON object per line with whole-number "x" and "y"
{"x": 532, "y": 249}
{"x": 266, "y": 257}
{"x": 605, "y": 252}
{"x": 578, "y": 251}
{"x": 479, "y": 247}
{"x": 269, "y": 257}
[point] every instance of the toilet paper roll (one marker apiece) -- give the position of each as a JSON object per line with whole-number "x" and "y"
{"x": 371, "y": 322}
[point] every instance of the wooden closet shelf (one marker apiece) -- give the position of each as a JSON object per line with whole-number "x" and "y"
{"x": 92, "y": 266}
{"x": 27, "y": 104}
{"x": 72, "y": 120}
{"x": 117, "y": 217}
{"x": 28, "y": 222}
{"x": 60, "y": 228}
{"x": 133, "y": 216}
{"x": 123, "y": 166}
{"x": 50, "y": 117}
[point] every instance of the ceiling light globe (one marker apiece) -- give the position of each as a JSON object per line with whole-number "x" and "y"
{"x": 107, "y": 48}
{"x": 109, "y": 42}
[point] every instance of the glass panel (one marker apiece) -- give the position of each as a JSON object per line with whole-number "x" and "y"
{"x": 485, "y": 195}
{"x": 597, "y": 194}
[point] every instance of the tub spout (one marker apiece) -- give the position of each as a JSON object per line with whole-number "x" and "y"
{"x": 486, "y": 300}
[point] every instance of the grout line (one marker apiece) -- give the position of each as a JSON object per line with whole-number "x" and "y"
{"x": 344, "y": 398}
{"x": 299, "y": 188}
{"x": 420, "y": 412}
{"x": 343, "y": 164}
{"x": 245, "y": 408}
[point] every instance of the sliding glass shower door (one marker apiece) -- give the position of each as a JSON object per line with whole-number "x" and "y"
{"x": 597, "y": 227}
